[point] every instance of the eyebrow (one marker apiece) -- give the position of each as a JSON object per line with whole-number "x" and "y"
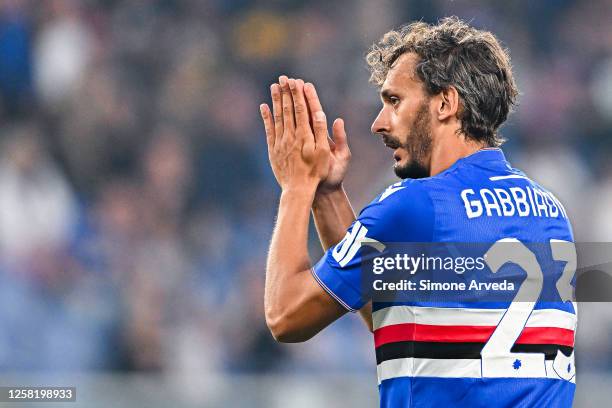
{"x": 385, "y": 94}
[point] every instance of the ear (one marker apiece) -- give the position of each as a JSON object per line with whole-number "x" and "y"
{"x": 448, "y": 104}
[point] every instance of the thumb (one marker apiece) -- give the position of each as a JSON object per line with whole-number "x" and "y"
{"x": 340, "y": 136}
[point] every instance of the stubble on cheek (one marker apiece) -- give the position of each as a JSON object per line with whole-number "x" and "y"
{"x": 418, "y": 145}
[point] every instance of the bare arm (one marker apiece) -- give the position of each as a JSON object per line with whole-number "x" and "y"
{"x": 331, "y": 209}
{"x": 296, "y": 307}
{"x": 333, "y": 215}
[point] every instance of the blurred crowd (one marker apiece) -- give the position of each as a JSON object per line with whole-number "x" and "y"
{"x": 136, "y": 201}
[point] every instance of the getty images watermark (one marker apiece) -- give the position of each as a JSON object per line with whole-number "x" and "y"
{"x": 505, "y": 271}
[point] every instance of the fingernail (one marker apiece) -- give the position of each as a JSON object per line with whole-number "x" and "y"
{"x": 320, "y": 116}
{"x": 282, "y": 80}
{"x": 261, "y": 108}
{"x": 292, "y": 83}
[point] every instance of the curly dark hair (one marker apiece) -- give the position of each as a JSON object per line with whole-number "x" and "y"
{"x": 451, "y": 53}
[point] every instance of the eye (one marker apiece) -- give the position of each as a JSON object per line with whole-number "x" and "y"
{"x": 394, "y": 100}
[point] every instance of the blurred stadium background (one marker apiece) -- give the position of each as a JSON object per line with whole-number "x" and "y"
{"x": 136, "y": 201}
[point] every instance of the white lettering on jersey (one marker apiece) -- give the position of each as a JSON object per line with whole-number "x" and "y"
{"x": 473, "y": 208}
{"x": 489, "y": 201}
{"x": 346, "y": 250}
{"x": 520, "y": 197}
{"x": 507, "y": 202}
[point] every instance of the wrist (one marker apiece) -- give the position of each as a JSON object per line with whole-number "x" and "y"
{"x": 306, "y": 192}
{"x": 325, "y": 197}
{"x": 323, "y": 191}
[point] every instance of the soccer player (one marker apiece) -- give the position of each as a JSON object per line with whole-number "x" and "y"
{"x": 445, "y": 90}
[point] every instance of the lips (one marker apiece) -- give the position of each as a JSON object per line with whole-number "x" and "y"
{"x": 393, "y": 144}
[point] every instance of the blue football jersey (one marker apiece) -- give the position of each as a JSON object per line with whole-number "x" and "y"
{"x": 459, "y": 351}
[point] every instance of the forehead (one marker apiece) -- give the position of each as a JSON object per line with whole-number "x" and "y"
{"x": 402, "y": 75}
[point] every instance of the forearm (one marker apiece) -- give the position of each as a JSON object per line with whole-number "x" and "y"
{"x": 333, "y": 214}
{"x": 288, "y": 254}
{"x": 296, "y": 306}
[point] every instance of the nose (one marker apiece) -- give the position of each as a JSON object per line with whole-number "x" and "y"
{"x": 381, "y": 123}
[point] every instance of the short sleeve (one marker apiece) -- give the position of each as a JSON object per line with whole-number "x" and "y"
{"x": 402, "y": 213}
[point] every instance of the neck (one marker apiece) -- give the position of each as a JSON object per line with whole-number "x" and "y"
{"x": 449, "y": 149}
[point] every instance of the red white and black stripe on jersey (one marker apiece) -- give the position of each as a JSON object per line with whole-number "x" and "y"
{"x": 447, "y": 342}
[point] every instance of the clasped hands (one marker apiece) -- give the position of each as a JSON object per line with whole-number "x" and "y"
{"x": 301, "y": 153}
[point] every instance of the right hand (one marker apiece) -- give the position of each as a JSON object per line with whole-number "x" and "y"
{"x": 299, "y": 151}
{"x": 339, "y": 152}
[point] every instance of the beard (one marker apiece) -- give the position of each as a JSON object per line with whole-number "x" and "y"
{"x": 418, "y": 145}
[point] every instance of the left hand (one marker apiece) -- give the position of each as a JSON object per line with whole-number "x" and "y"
{"x": 340, "y": 154}
{"x": 299, "y": 154}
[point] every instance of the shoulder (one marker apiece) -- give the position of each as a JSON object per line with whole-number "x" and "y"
{"x": 403, "y": 211}
{"x": 397, "y": 194}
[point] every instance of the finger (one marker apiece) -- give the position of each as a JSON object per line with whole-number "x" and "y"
{"x": 299, "y": 103}
{"x": 340, "y": 139}
{"x": 320, "y": 128}
{"x": 301, "y": 82}
{"x": 315, "y": 100}
{"x": 288, "y": 121}
{"x": 268, "y": 124}
{"x": 277, "y": 109}
{"x": 312, "y": 98}
{"x": 332, "y": 144}
{"x": 319, "y": 122}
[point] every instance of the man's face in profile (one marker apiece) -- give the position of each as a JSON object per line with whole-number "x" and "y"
{"x": 404, "y": 120}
